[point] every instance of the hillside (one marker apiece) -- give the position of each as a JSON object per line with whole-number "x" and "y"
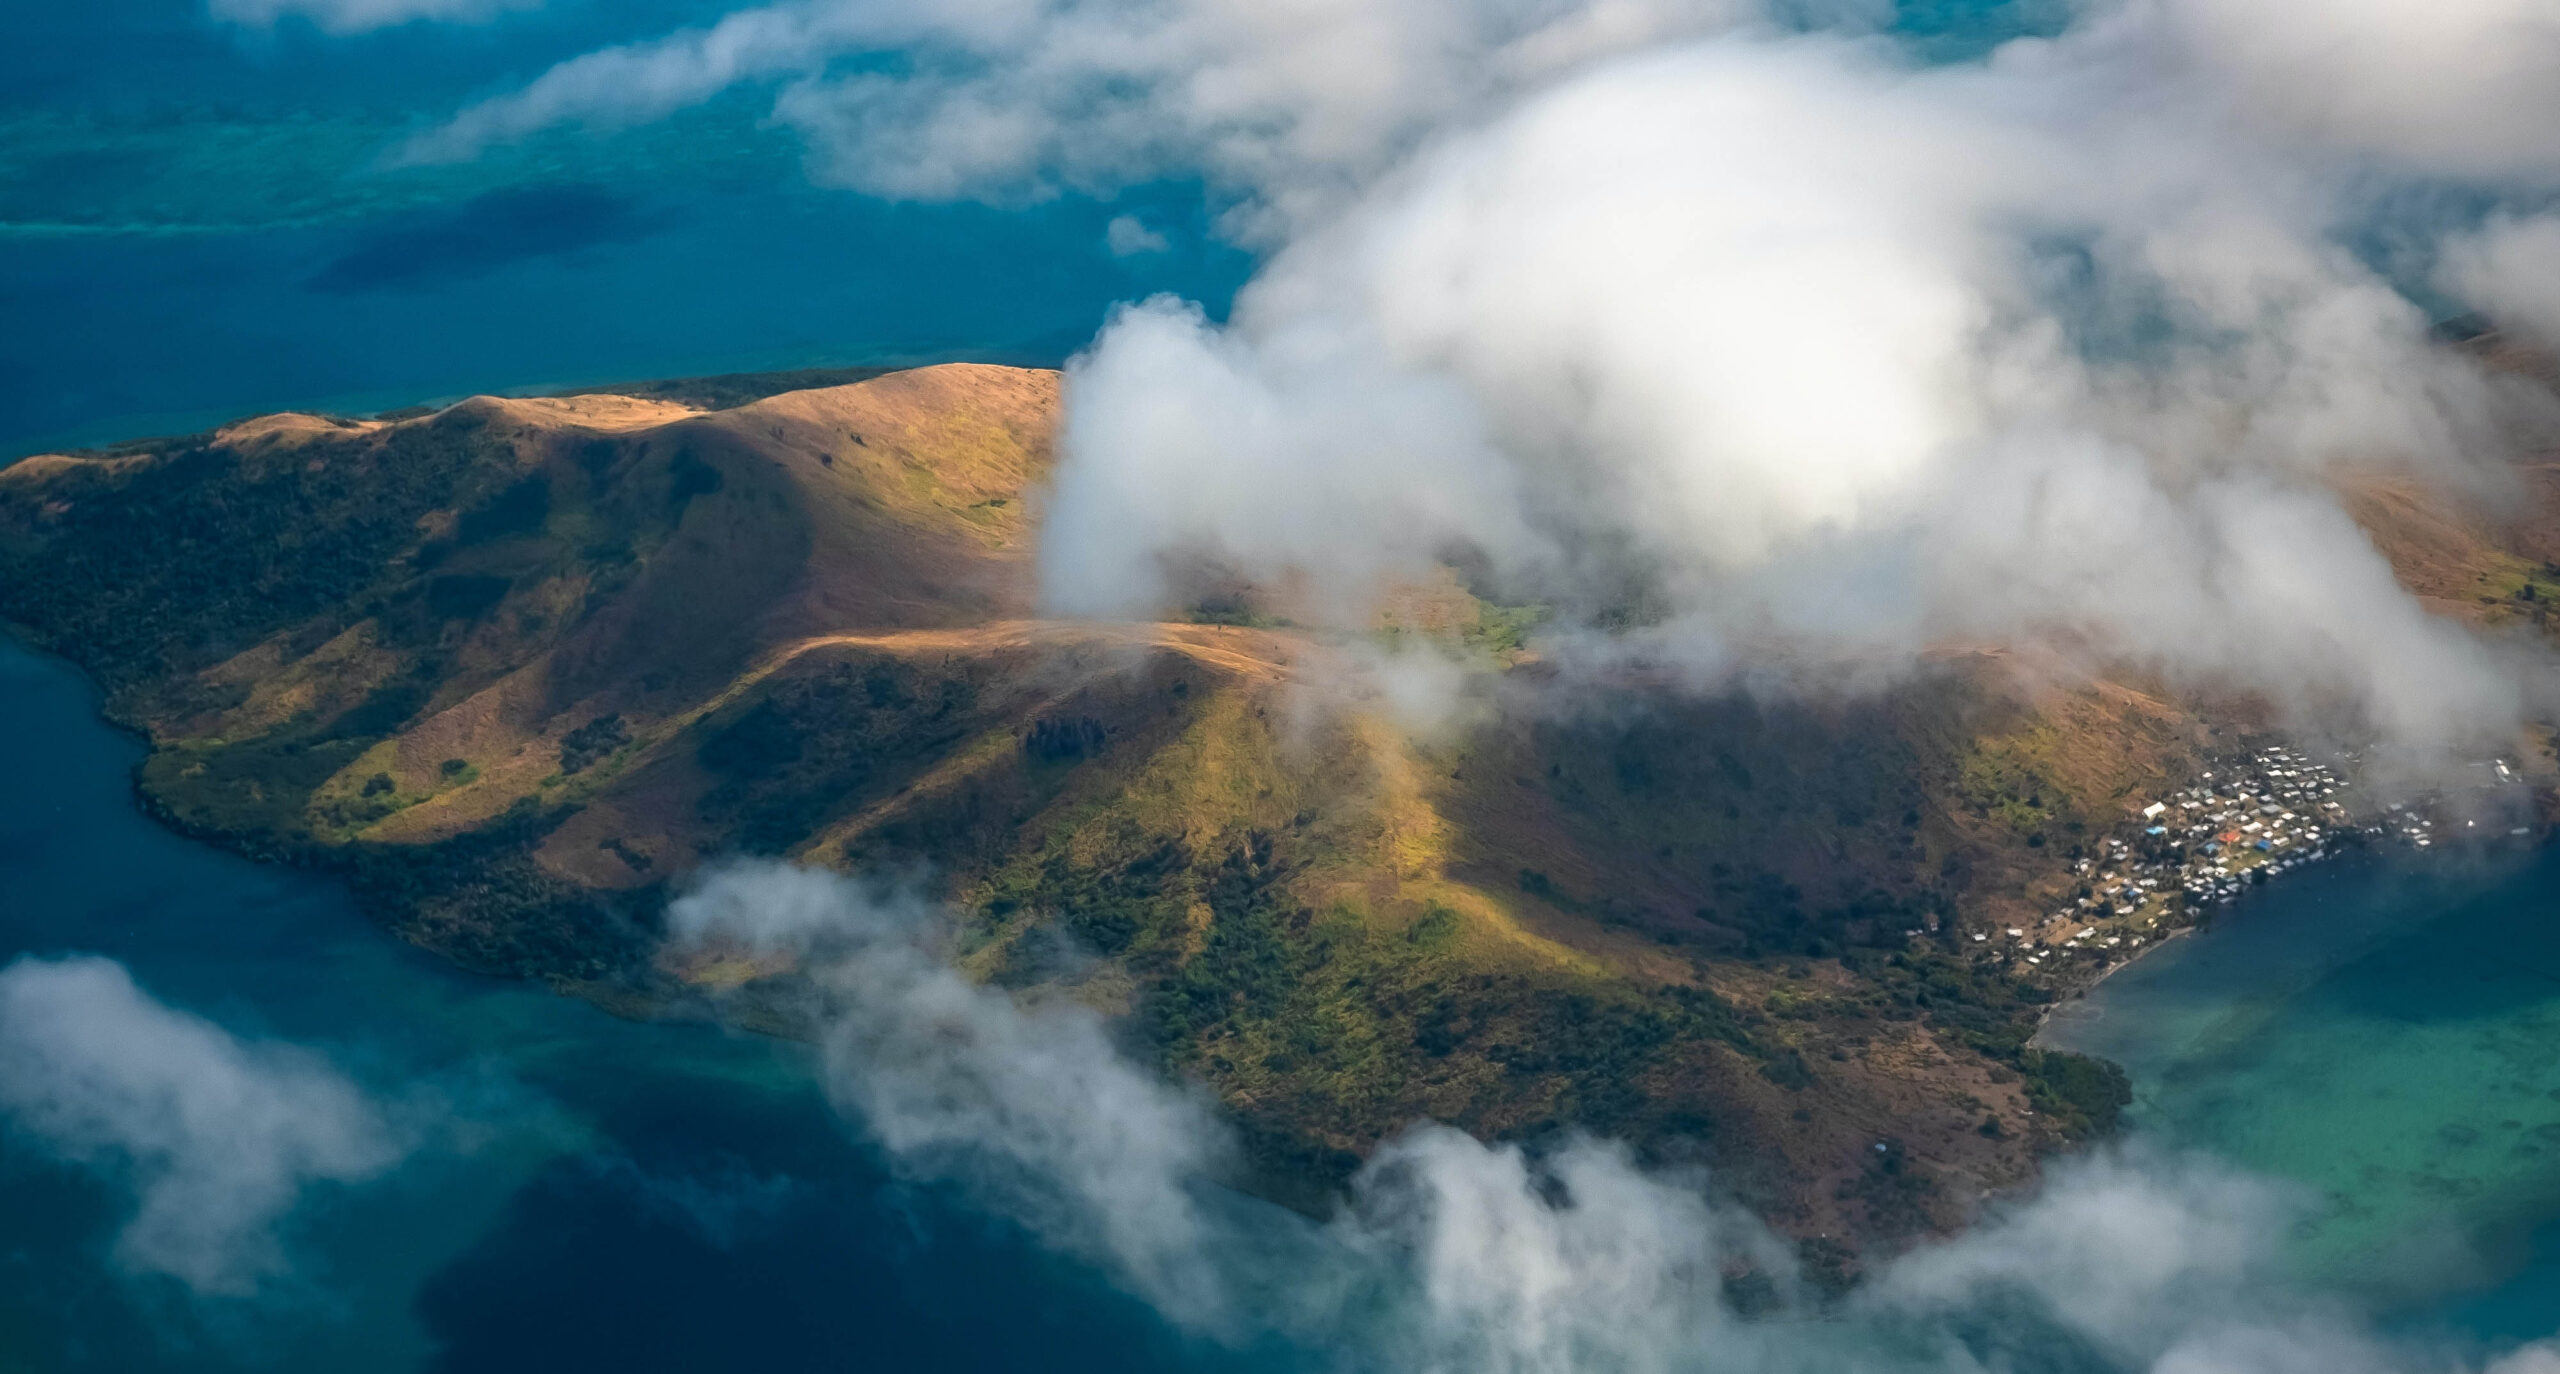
{"x": 515, "y": 667}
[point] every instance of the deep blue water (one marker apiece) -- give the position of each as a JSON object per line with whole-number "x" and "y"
{"x": 197, "y": 223}
{"x": 643, "y": 1196}
{"x": 646, "y": 1197}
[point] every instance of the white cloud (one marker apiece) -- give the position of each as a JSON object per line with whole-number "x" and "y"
{"x": 1034, "y": 1106}
{"x": 2509, "y": 269}
{"x": 1213, "y": 441}
{"x": 1128, "y": 236}
{"x": 1843, "y": 359}
{"x": 2458, "y": 87}
{"x": 1575, "y": 1262}
{"x": 358, "y": 16}
{"x": 1834, "y": 355}
{"x": 219, "y": 1137}
{"x": 1291, "y": 103}
{"x": 1452, "y": 1256}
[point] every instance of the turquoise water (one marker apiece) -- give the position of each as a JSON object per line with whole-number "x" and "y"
{"x": 2386, "y": 1036}
{"x": 638, "y": 1197}
{"x": 197, "y": 224}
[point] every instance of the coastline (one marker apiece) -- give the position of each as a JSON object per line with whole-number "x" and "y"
{"x": 2082, "y": 991}
{"x": 2381, "y": 1038}
{"x": 2206, "y": 850}
{"x": 2371, "y": 866}
{"x": 563, "y": 884}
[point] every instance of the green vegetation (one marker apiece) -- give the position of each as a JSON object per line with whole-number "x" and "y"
{"x": 367, "y": 573}
{"x": 1729, "y": 924}
{"x": 2078, "y": 1095}
{"x": 258, "y": 789}
{"x": 813, "y": 745}
{"x": 481, "y": 899}
{"x": 2517, "y": 590}
{"x": 1979, "y": 1008}
{"x": 1338, "y": 1028}
{"x": 592, "y": 742}
{"x": 147, "y": 570}
{"x": 1999, "y": 779}
{"x": 1234, "y": 610}
{"x": 1503, "y": 629}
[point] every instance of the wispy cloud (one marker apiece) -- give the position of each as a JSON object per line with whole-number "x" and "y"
{"x": 219, "y": 1137}
{"x": 1454, "y": 1255}
{"x": 2510, "y": 268}
{"x": 1034, "y": 1106}
{"x": 1006, "y": 99}
{"x": 359, "y": 16}
{"x": 1128, "y": 236}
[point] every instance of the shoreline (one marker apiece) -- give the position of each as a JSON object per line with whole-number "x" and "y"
{"x": 2205, "y": 846}
{"x": 483, "y": 897}
{"x": 2416, "y": 862}
{"x": 2044, "y": 1019}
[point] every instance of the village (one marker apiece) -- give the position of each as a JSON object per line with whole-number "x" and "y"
{"x": 2200, "y": 847}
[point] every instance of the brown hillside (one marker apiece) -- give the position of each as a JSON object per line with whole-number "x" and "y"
{"x": 518, "y": 666}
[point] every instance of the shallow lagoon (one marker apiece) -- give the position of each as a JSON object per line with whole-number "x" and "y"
{"x": 656, "y": 1196}
{"x": 2384, "y": 1033}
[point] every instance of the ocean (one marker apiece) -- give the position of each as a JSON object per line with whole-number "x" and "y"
{"x": 629, "y": 1195}
{"x": 626, "y": 1196}
{"x": 198, "y": 223}
{"x": 2383, "y": 1033}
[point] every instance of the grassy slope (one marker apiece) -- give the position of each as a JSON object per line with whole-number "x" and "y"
{"x": 517, "y": 665}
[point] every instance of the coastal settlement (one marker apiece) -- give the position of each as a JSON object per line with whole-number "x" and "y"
{"x": 2197, "y": 849}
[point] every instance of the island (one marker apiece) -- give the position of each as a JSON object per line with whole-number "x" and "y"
{"x": 515, "y": 667}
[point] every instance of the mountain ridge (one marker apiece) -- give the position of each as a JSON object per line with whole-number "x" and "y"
{"x": 515, "y": 667}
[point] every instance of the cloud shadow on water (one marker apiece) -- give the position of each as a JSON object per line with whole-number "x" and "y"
{"x": 487, "y": 233}
{"x": 694, "y": 1259}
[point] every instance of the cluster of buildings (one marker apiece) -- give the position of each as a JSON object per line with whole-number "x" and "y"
{"x": 2271, "y": 813}
{"x": 2198, "y": 847}
{"x": 2280, "y": 807}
